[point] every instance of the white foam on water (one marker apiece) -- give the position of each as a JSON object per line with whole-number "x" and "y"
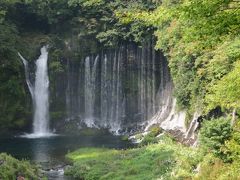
{"x": 38, "y": 135}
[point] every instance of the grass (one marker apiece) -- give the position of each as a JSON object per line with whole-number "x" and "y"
{"x": 213, "y": 168}
{"x": 11, "y": 168}
{"x": 164, "y": 160}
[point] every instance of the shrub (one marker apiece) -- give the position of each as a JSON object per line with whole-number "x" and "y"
{"x": 11, "y": 168}
{"x": 151, "y": 137}
{"x": 232, "y": 146}
{"x": 213, "y": 135}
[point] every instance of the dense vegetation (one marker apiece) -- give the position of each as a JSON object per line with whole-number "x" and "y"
{"x": 201, "y": 40}
{"x": 11, "y": 168}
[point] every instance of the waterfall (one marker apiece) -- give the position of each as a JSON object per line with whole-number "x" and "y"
{"x": 90, "y": 82}
{"x": 142, "y": 88}
{"x": 164, "y": 96}
{"x": 117, "y": 88}
{"x": 40, "y": 95}
{"x": 104, "y": 95}
{"x": 116, "y": 103}
{"x": 26, "y": 70}
{"x": 175, "y": 120}
{"x": 190, "y": 134}
{"x": 74, "y": 83}
{"x": 68, "y": 96}
{"x": 122, "y": 89}
{"x": 93, "y": 82}
{"x": 88, "y": 94}
{"x": 114, "y": 111}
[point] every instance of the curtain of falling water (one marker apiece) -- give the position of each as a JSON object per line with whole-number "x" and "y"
{"x": 120, "y": 88}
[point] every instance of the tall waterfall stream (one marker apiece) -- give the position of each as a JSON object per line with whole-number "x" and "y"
{"x": 40, "y": 95}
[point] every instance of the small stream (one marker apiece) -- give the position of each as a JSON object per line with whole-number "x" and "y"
{"x": 50, "y": 152}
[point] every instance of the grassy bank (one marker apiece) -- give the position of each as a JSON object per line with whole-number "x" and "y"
{"x": 11, "y": 169}
{"x": 164, "y": 160}
{"x": 217, "y": 157}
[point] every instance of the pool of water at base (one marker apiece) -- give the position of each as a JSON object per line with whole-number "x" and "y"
{"x": 50, "y": 152}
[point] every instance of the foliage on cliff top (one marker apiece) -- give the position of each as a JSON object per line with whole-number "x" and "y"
{"x": 201, "y": 41}
{"x": 226, "y": 92}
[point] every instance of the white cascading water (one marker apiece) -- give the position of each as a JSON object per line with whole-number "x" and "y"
{"x": 190, "y": 134}
{"x": 147, "y": 83}
{"x": 68, "y": 94}
{"x": 114, "y": 111}
{"x": 117, "y": 106}
{"x": 102, "y": 87}
{"x": 165, "y": 106}
{"x": 175, "y": 120}
{"x": 126, "y": 88}
{"x": 40, "y": 95}
{"x": 93, "y": 81}
{"x": 142, "y": 88}
{"x": 26, "y": 69}
{"x": 104, "y": 95}
{"x": 88, "y": 94}
{"x": 90, "y": 81}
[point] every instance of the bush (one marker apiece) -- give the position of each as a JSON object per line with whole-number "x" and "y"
{"x": 11, "y": 168}
{"x": 213, "y": 135}
{"x": 151, "y": 137}
{"x": 214, "y": 168}
{"x": 155, "y": 130}
{"x": 232, "y": 146}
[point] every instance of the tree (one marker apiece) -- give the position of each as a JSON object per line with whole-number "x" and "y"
{"x": 199, "y": 38}
{"x": 226, "y": 92}
{"x": 213, "y": 135}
